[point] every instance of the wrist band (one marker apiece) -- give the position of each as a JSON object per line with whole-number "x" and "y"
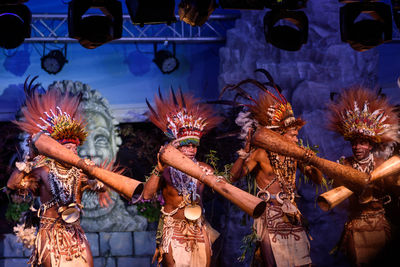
{"x": 156, "y": 172}
{"x": 308, "y": 155}
{"x": 243, "y": 154}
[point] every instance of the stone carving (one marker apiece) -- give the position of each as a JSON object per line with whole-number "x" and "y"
{"x": 101, "y": 146}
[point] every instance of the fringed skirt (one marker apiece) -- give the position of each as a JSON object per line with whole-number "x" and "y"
{"x": 289, "y": 243}
{"x": 189, "y": 242}
{"x": 61, "y": 244}
{"x": 365, "y": 237}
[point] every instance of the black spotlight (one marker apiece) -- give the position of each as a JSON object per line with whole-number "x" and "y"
{"x": 54, "y": 61}
{"x": 396, "y": 12}
{"x": 94, "y": 30}
{"x": 365, "y": 25}
{"x": 151, "y": 11}
{"x": 286, "y": 29}
{"x": 196, "y": 12}
{"x": 165, "y": 60}
{"x": 15, "y": 24}
{"x": 242, "y": 4}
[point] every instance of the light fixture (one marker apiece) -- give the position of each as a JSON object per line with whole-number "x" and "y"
{"x": 396, "y": 12}
{"x": 15, "y": 24}
{"x": 94, "y": 30}
{"x": 165, "y": 60}
{"x": 365, "y": 25}
{"x": 54, "y": 61}
{"x": 242, "y": 4}
{"x": 151, "y": 11}
{"x": 196, "y": 12}
{"x": 286, "y": 29}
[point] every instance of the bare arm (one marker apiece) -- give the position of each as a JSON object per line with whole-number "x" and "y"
{"x": 15, "y": 181}
{"x": 245, "y": 163}
{"x": 312, "y": 172}
{"x": 154, "y": 182}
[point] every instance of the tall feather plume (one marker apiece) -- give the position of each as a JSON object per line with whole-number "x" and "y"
{"x": 360, "y": 113}
{"x": 172, "y": 106}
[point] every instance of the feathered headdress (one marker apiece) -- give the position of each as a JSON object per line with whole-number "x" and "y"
{"x": 182, "y": 119}
{"x": 53, "y": 114}
{"x": 361, "y": 113}
{"x": 269, "y": 110}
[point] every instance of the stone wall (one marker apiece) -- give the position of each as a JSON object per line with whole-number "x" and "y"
{"x": 109, "y": 249}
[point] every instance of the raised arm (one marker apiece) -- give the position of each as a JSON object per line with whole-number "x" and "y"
{"x": 245, "y": 163}
{"x": 22, "y": 178}
{"x": 153, "y": 183}
{"x": 312, "y": 172}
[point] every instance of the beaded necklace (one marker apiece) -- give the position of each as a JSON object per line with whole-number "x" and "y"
{"x": 285, "y": 172}
{"x": 63, "y": 186}
{"x": 185, "y": 185}
{"x": 369, "y": 161}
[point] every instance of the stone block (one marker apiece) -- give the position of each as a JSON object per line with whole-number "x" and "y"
{"x": 14, "y": 262}
{"x": 131, "y": 261}
{"x": 144, "y": 243}
{"x": 104, "y": 243}
{"x": 116, "y": 244}
{"x": 93, "y": 239}
{"x": 10, "y": 248}
{"x": 110, "y": 262}
{"x": 99, "y": 261}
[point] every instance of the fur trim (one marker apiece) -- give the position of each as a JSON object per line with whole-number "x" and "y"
{"x": 361, "y": 113}
{"x": 183, "y": 117}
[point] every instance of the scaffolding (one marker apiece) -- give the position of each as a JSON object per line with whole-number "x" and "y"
{"x": 54, "y": 28}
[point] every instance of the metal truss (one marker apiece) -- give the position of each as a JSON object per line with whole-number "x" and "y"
{"x": 54, "y": 28}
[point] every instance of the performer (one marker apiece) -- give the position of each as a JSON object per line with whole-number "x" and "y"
{"x": 60, "y": 240}
{"x": 184, "y": 238}
{"x": 281, "y": 234}
{"x": 369, "y": 123}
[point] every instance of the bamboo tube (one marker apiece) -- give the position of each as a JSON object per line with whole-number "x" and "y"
{"x": 248, "y": 203}
{"x": 128, "y": 187}
{"x": 346, "y": 175}
{"x": 333, "y": 197}
{"x": 388, "y": 168}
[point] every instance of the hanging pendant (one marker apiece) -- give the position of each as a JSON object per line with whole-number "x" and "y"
{"x": 288, "y": 207}
{"x": 70, "y": 213}
{"x": 264, "y": 195}
{"x": 192, "y": 211}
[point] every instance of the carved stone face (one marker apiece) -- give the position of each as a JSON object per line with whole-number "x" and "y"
{"x": 99, "y": 145}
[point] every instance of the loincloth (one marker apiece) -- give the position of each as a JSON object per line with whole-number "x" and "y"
{"x": 190, "y": 241}
{"x": 64, "y": 243}
{"x": 289, "y": 242}
{"x": 365, "y": 236}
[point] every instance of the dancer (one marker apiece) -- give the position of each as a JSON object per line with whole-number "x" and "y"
{"x": 281, "y": 233}
{"x": 369, "y": 122}
{"x": 184, "y": 238}
{"x": 60, "y": 240}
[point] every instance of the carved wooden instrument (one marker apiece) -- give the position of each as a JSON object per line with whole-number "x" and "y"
{"x": 128, "y": 187}
{"x": 248, "y": 203}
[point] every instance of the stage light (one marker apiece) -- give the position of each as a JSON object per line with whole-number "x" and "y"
{"x": 242, "y": 4}
{"x": 165, "y": 60}
{"x": 54, "y": 61}
{"x": 396, "y": 12}
{"x": 15, "y": 24}
{"x": 286, "y": 29}
{"x": 365, "y": 25}
{"x": 151, "y": 11}
{"x": 94, "y": 30}
{"x": 286, "y": 4}
{"x": 196, "y": 12}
